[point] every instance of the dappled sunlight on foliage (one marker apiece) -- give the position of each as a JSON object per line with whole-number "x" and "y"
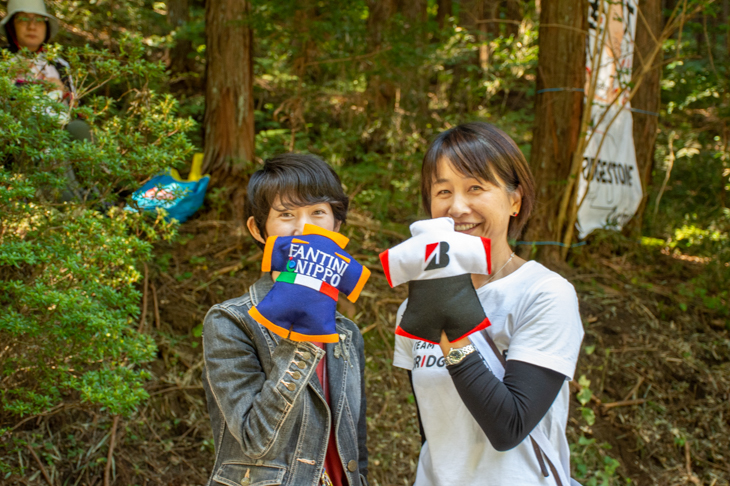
{"x": 102, "y": 308}
{"x": 69, "y": 260}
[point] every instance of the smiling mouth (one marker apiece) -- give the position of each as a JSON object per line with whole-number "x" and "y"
{"x": 465, "y": 226}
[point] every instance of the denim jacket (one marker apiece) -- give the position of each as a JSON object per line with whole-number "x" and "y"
{"x": 270, "y": 420}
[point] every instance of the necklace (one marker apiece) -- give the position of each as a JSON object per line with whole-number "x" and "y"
{"x": 491, "y": 277}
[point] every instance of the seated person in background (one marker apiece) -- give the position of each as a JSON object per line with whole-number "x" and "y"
{"x": 28, "y": 25}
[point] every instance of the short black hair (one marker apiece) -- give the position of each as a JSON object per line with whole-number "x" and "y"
{"x": 298, "y": 180}
{"x": 485, "y": 152}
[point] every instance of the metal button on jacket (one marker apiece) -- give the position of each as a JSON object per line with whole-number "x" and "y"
{"x": 296, "y": 375}
{"x": 306, "y": 355}
{"x": 289, "y": 386}
{"x": 352, "y": 465}
{"x": 301, "y": 364}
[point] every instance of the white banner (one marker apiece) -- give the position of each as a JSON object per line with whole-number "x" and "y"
{"x": 614, "y": 192}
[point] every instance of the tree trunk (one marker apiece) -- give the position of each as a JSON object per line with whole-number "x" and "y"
{"x": 414, "y": 11}
{"x": 489, "y": 29}
{"x": 381, "y": 92}
{"x": 515, "y": 14}
{"x": 413, "y": 87}
{"x": 181, "y": 62}
{"x": 647, "y": 98}
{"x": 445, "y": 10}
{"x": 726, "y": 15}
{"x": 470, "y": 13}
{"x": 229, "y": 110}
{"x": 561, "y": 64}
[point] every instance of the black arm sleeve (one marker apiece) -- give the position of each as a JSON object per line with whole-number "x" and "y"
{"x": 418, "y": 411}
{"x": 506, "y": 411}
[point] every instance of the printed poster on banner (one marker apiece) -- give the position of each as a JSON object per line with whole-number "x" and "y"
{"x": 614, "y": 193}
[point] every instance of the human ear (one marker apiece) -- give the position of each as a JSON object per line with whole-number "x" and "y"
{"x": 254, "y": 230}
{"x": 516, "y": 198}
{"x": 336, "y": 229}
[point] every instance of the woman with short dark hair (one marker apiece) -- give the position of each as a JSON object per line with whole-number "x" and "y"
{"x": 476, "y": 409}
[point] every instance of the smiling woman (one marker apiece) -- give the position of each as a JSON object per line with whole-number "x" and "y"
{"x": 475, "y": 174}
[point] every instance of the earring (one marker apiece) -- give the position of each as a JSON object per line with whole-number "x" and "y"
{"x": 514, "y": 214}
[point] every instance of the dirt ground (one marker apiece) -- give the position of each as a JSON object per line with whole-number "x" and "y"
{"x": 656, "y": 374}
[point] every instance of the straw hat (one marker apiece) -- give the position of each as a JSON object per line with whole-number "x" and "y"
{"x": 30, "y": 6}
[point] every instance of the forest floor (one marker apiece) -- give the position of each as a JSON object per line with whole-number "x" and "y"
{"x": 655, "y": 367}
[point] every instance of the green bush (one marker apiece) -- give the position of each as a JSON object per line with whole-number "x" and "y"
{"x": 68, "y": 301}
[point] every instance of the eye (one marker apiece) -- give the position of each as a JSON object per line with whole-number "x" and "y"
{"x": 443, "y": 192}
{"x": 476, "y": 188}
{"x": 319, "y": 211}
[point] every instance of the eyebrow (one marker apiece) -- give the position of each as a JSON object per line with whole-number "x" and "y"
{"x": 466, "y": 177}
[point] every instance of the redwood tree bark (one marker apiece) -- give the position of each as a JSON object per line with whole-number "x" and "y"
{"x": 647, "y": 98}
{"x": 229, "y": 109}
{"x": 561, "y": 65}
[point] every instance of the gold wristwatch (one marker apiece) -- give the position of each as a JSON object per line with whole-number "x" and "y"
{"x": 457, "y": 355}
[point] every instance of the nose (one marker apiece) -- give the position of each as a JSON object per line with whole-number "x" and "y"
{"x": 459, "y": 207}
{"x": 299, "y": 230}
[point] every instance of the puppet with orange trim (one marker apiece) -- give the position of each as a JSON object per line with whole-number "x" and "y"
{"x": 314, "y": 268}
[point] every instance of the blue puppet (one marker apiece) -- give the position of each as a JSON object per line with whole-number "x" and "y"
{"x": 314, "y": 270}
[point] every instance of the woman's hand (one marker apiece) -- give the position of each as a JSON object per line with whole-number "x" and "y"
{"x": 446, "y": 345}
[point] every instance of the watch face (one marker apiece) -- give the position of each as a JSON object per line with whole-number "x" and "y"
{"x": 455, "y": 354}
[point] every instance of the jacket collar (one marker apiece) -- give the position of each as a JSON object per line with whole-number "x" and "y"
{"x": 260, "y": 288}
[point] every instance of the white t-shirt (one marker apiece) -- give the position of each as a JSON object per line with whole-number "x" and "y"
{"x": 535, "y": 319}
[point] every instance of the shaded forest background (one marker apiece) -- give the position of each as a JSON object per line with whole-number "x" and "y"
{"x": 100, "y": 355}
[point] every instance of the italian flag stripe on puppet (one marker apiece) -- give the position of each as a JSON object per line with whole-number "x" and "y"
{"x": 312, "y": 283}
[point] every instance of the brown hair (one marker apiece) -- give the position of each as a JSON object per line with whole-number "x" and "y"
{"x": 485, "y": 152}
{"x": 298, "y": 180}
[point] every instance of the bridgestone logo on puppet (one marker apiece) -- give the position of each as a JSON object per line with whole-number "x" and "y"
{"x": 439, "y": 258}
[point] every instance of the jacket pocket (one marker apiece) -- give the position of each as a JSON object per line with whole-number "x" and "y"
{"x": 239, "y": 474}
